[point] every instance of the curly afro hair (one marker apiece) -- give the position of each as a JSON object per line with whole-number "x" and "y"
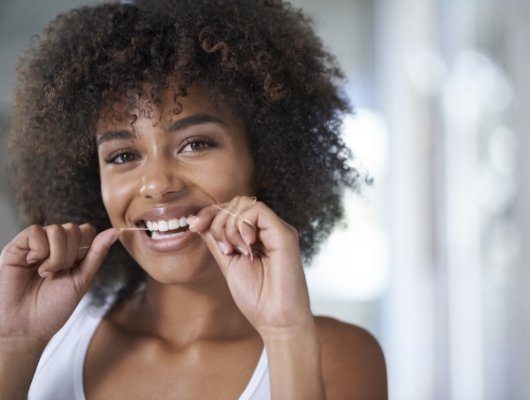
{"x": 261, "y": 56}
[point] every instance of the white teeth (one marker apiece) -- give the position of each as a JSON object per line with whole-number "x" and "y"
{"x": 183, "y": 222}
{"x": 162, "y": 226}
{"x": 166, "y": 225}
{"x": 159, "y": 236}
{"x": 173, "y": 224}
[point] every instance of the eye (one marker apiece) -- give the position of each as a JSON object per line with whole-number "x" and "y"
{"x": 121, "y": 157}
{"x": 196, "y": 145}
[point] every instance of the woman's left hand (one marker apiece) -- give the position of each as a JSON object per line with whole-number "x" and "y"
{"x": 259, "y": 255}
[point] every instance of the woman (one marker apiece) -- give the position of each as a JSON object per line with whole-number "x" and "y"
{"x": 199, "y": 140}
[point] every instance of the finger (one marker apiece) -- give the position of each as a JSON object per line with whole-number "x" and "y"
{"x": 57, "y": 242}
{"x": 201, "y": 221}
{"x": 218, "y": 230}
{"x": 73, "y": 237}
{"x": 260, "y": 223}
{"x": 232, "y": 230}
{"x": 247, "y": 232}
{"x": 221, "y": 257}
{"x": 235, "y": 239}
{"x": 27, "y": 248}
{"x": 88, "y": 267}
{"x": 88, "y": 232}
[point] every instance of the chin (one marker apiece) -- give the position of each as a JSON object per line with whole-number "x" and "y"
{"x": 180, "y": 270}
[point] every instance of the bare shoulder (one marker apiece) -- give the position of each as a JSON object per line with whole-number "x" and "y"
{"x": 353, "y": 364}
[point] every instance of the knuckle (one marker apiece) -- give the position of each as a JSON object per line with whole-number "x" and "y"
{"x": 55, "y": 229}
{"x": 238, "y": 201}
{"x": 34, "y": 229}
{"x": 88, "y": 230}
{"x": 88, "y": 227}
{"x": 72, "y": 229}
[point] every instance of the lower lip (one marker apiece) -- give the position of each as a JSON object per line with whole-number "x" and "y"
{"x": 169, "y": 244}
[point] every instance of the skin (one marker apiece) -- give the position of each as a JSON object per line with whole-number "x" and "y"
{"x": 208, "y": 309}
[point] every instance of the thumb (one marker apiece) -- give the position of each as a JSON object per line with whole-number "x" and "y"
{"x": 97, "y": 253}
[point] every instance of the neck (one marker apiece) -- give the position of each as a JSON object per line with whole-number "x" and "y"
{"x": 183, "y": 314}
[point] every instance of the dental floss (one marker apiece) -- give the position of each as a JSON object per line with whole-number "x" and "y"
{"x": 216, "y": 206}
{"x": 235, "y": 215}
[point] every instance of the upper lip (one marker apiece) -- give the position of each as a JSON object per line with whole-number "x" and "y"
{"x": 166, "y": 213}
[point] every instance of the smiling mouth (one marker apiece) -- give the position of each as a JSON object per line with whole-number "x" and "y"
{"x": 164, "y": 229}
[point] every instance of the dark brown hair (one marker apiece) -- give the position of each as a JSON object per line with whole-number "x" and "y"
{"x": 261, "y": 56}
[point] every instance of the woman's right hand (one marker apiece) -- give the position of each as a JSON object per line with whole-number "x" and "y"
{"x": 44, "y": 273}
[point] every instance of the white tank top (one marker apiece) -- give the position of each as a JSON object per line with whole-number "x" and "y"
{"x": 59, "y": 374}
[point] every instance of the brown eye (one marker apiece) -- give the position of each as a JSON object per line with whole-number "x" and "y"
{"x": 122, "y": 157}
{"x": 196, "y": 145}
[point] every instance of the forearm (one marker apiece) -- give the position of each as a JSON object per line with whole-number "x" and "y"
{"x": 295, "y": 364}
{"x": 18, "y": 362}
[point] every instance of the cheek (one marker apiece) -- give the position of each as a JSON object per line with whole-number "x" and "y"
{"x": 242, "y": 173}
{"x": 227, "y": 179}
{"x": 114, "y": 194}
{"x": 108, "y": 197}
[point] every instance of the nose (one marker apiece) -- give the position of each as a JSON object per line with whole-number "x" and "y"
{"x": 159, "y": 181}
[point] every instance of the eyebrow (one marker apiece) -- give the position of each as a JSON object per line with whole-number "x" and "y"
{"x": 114, "y": 135}
{"x": 195, "y": 119}
{"x": 176, "y": 126}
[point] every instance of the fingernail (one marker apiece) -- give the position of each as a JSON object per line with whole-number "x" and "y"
{"x": 225, "y": 248}
{"x": 246, "y": 221}
{"x": 192, "y": 220}
{"x": 246, "y": 235}
{"x": 242, "y": 249}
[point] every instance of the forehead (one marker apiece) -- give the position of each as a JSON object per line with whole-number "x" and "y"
{"x": 125, "y": 109}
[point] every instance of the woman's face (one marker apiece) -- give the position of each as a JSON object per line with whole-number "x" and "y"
{"x": 166, "y": 166}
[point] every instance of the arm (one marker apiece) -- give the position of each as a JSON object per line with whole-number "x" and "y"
{"x": 43, "y": 275}
{"x": 332, "y": 360}
{"x": 295, "y": 364}
{"x": 267, "y": 282}
{"x": 18, "y": 362}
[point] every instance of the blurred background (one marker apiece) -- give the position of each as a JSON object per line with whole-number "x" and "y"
{"x": 433, "y": 261}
